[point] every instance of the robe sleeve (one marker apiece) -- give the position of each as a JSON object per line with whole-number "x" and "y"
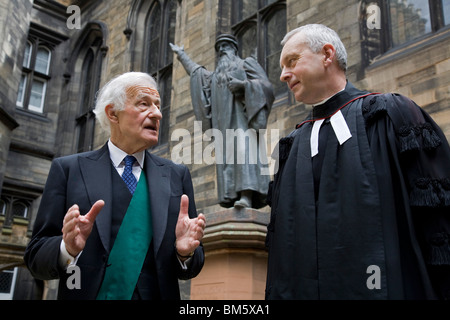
{"x": 280, "y": 155}
{"x": 259, "y": 95}
{"x": 424, "y": 156}
{"x": 201, "y": 95}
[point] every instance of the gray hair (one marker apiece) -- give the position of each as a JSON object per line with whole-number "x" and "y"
{"x": 114, "y": 93}
{"x": 317, "y": 35}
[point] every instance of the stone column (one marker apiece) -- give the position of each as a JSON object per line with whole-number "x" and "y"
{"x": 235, "y": 256}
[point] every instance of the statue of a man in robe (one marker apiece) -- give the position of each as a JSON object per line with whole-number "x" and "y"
{"x": 237, "y": 95}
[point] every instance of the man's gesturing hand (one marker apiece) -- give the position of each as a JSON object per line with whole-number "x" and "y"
{"x": 188, "y": 231}
{"x": 77, "y": 228}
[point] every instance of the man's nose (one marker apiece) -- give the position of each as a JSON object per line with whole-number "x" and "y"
{"x": 285, "y": 75}
{"x": 155, "y": 112}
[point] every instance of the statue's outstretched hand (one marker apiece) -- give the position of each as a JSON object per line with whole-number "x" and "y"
{"x": 176, "y": 48}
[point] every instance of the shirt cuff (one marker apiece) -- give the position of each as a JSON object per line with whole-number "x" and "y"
{"x": 184, "y": 264}
{"x": 65, "y": 259}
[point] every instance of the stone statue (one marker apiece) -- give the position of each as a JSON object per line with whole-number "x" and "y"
{"x": 237, "y": 95}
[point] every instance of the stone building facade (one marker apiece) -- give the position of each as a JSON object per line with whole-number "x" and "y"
{"x": 55, "y": 55}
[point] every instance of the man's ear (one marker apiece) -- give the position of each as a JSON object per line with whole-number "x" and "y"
{"x": 329, "y": 52}
{"x": 111, "y": 113}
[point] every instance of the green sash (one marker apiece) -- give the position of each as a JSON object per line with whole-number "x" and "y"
{"x": 130, "y": 247}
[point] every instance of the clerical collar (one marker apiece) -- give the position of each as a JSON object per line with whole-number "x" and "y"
{"x": 324, "y": 100}
{"x": 331, "y": 105}
{"x": 330, "y": 108}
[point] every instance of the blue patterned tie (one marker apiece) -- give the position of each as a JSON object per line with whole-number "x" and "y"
{"x": 128, "y": 175}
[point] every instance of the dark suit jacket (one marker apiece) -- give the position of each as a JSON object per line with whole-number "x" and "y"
{"x": 83, "y": 179}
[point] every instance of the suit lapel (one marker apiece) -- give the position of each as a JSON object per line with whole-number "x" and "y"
{"x": 158, "y": 177}
{"x": 96, "y": 172}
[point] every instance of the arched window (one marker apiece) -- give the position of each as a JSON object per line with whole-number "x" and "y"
{"x": 274, "y": 20}
{"x": 151, "y": 29}
{"x": 259, "y": 26}
{"x": 35, "y": 75}
{"x": 86, "y": 63}
{"x": 160, "y": 31}
{"x": 42, "y": 60}
{"x": 86, "y": 118}
{"x": 14, "y": 206}
{"x": 154, "y": 37}
{"x": 27, "y": 55}
{"x": 20, "y": 209}
{"x": 2, "y": 207}
{"x": 248, "y": 39}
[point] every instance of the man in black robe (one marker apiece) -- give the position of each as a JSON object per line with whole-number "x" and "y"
{"x": 360, "y": 205}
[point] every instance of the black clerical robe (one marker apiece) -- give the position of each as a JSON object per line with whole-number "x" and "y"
{"x": 365, "y": 219}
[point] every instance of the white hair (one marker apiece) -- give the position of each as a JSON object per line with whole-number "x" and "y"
{"x": 114, "y": 93}
{"x": 318, "y": 35}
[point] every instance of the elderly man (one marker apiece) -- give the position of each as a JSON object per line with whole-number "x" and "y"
{"x": 360, "y": 204}
{"x": 124, "y": 217}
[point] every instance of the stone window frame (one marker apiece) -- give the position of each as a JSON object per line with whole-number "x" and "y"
{"x": 139, "y": 23}
{"x": 8, "y": 277}
{"x": 259, "y": 18}
{"x": 377, "y": 42}
{"x": 39, "y": 36}
{"x": 7, "y": 215}
{"x": 90, "y": 40}
{"x": 92, "y": 58}
{"x": 30, "y": 75}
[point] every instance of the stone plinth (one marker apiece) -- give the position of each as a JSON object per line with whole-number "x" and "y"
{"x": 235, "y": 256}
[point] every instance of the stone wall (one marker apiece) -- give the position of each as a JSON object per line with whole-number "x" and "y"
{"x": 420, "y": 71}
{"x": 14, "y": 21}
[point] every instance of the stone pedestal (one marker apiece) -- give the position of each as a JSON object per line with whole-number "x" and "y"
{"x": 235, "y": 256}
